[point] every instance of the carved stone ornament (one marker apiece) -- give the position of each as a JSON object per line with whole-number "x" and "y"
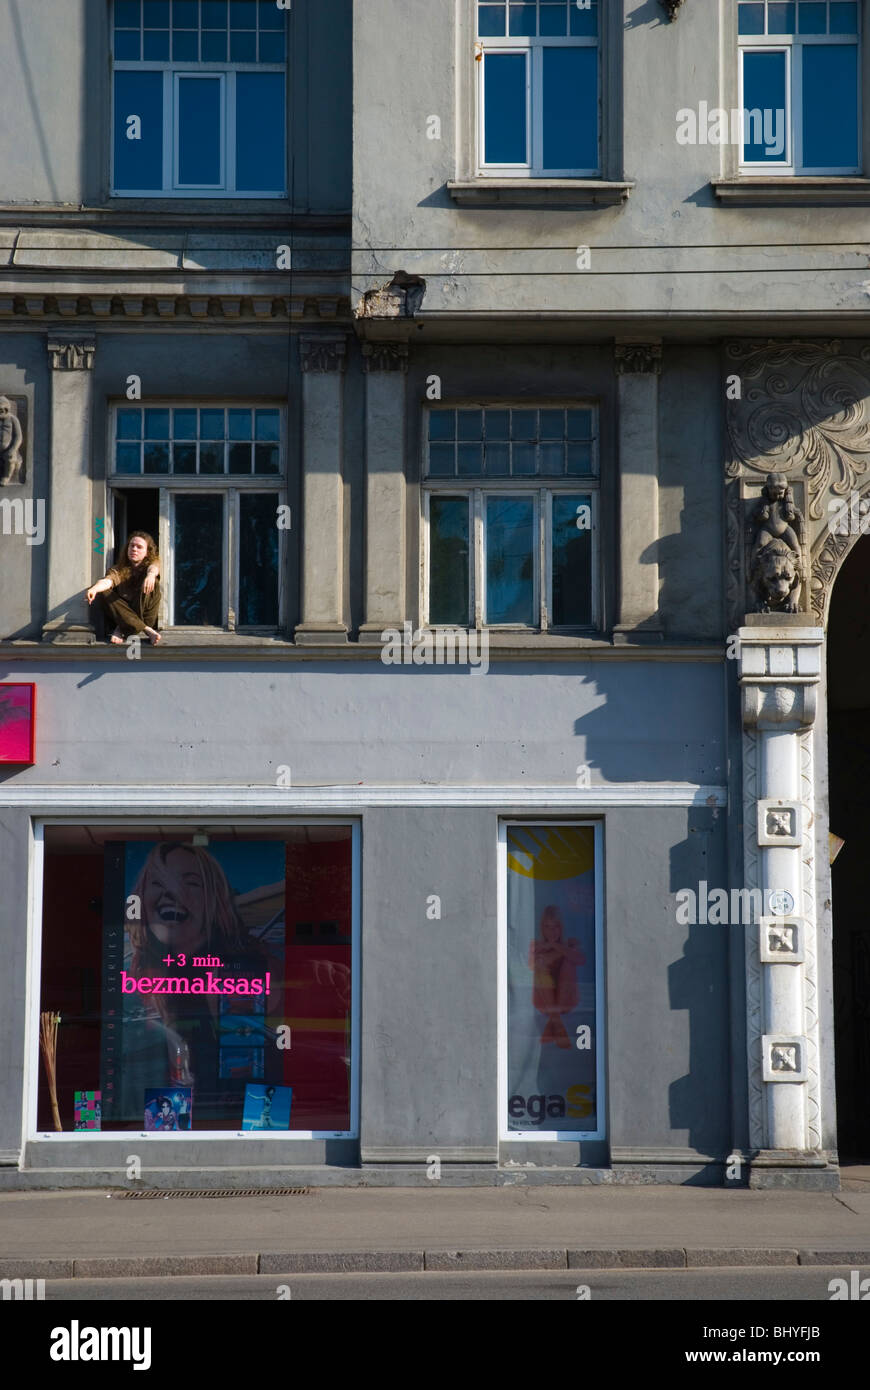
{"x": 12, "y": 450}
{"x": 638, "y": 357}
{"x": 672, "y": 7}
{"x": 776, "y": 541}
{"x": 323, "y": 354}
{"x": 784, "y": 1059}
{"x": 781, "y": 941}
{"x": 800, "y": 410}
{"x": 385, "y": 357}
{"x": 72, "y": 356}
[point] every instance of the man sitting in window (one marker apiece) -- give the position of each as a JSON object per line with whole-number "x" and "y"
{"x": 135, "y": 589}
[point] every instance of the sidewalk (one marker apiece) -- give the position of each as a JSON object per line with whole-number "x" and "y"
{"x": 99, "y": 1235}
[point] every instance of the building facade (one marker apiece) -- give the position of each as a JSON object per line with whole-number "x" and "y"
{"x": 501, "y": 421}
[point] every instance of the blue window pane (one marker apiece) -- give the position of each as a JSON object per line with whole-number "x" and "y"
{"x": 525, "y": 460}
{"x": 211, "y": 424}
{"x": 449, "y": 553}
{"x": 185, "y": 14}
{"x": 128, "y": 14}
{"x": 266, "y": 458}
{"x": 470, "y": 424}
{"x": 155, "y": 14}
{"x": 552, "y": 459}
{"x": 552, "y": 424}
{"x": 505, "y": 115}
{"x": 579, "y": 461}
{"x": 844, "y": 17}
{"x": 469, "y": 458}
{"x": 128, "y": 459}
{"x": 523, "y": 20}
{"x": 240, "y": 458}
{"x": 497, "y": 458}
{"x": 490, "y": 21}
{"x": 830, "y": 114}
{"x": 129, "y": 424}
{"x": 243, "y": 14}
{"x": 584, "y": 23}
{"x": 272, "y": 48}
{"x": 199, "y": 130}
{"x": 185, "y": 47}
{"x": 579, "y": 424}
{"x": 764, "y": 103}
{"x": 127, "y": 46}
{"x": 268, "y": 426}
{"x": 750, "y": 19}
{"x": 156, "y": 424}
{"x": 184, "y": 458}
{"x": 258, "y": 560}
{"x": 554, "y": 19}
{"x": 270, "y": 16}
{"x": 260, "y": 132}
{"x": 813, "y": 17}
{"x": 442, "y": 424}
{"x": 156, "y": 458}
{"x": 442, "y": 460}
{"x": 211, "y": 458}
{"x": 780, "y": 18}
{"x": 214, "y": 46}
{"x": 214, "y": 14}
{"x": 498, "y": 424}
{"x": 156, "y": 48}
{"x": 139, "y": 163}
{"x": 571, "y": 108}
{"x": 243, "y": 47}
{"x": 184, "y": 424}
{"x": 240, "y": 424}
{"x": 510, "y": 560}
{"x": 572, "y": 564}
{"x": 524, "y": 424}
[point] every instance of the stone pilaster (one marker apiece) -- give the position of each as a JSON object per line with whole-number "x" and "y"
{"x": 70, "y": 518}
{"x": 780, "y": 668}
{"x": 386, "y": 365}
{"x": 638, "y": 367}
{"x": 324, "y": 619}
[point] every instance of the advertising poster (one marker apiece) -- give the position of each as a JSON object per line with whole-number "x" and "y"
{"x": 267, "y": 1107}
{"x": 17, "y": 723}
{"x": 191, "y": 935}
{"x": 86, "y": 1110}
{"x": 552, "y": 1025}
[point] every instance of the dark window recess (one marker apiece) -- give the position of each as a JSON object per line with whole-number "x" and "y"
{"x": 198, "y": 568}
{"x": 258, "y": 560}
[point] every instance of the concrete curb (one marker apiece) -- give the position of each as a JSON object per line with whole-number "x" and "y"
{"x": 420, "y": 1261}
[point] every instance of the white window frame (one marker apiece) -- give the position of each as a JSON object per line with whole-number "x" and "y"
{"x": 228, "y": 485}
{"x": 537, "y": 1132}
{"x": 175, "y": 815}
{"x": 793, "y": 45}
{"x": 533, "y": 47}
{"x": 543, "y": 489}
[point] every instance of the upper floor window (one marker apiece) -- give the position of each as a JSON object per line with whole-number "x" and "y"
{"x": 538, "y": 87}
{"x": 199, "y": 98}
{"x": 800, "y": 86}
{"x": 510, "y": 500}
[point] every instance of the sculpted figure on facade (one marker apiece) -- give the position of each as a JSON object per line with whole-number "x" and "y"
{"x": 11, "y": 437}
{"x": 776, "y": 564}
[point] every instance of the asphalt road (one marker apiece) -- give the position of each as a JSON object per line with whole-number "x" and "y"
{"x": 763, "y": 1285}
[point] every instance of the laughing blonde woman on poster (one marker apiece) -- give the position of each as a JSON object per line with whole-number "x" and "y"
{"x": 555, "y": 961}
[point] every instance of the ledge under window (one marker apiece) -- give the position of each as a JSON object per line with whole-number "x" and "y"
{"x": 535, "y": 193}
{"x": 803, "y": 191}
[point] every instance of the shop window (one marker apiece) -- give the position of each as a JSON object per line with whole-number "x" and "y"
{"x": 553, "y": 1052}
{"x": 218, "y": 520}
{"x": 800, "y": 86}
{"x": 199, "y": 98}
{"x": 510, "y": 517}
{"x": 538, "y": 94}
{"x": 192, "y": 994}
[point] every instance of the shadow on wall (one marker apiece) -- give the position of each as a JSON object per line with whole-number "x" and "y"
{"x": 35, "y": 112}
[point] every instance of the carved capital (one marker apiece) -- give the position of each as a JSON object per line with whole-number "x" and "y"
{"x": 320, "y": 352}
{"x": 71, "y": 355}
{"x": 385, "y": 357}
{"x": 779, "y": 674}
{"x": 633, "y": 358}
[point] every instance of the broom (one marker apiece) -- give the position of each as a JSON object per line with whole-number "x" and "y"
{"x": 48, "y": 1042}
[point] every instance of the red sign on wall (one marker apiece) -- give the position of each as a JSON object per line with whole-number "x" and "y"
{"x": 17, "y": 723}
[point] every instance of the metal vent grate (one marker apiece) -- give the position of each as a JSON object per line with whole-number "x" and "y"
{"x": 155, "y": 1193}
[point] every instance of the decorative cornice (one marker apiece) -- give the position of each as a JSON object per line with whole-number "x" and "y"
{"x": 174, "y": 306}
{"x": 385, "y": 357}
{"x": 323, "y": 353}
{"x": 634, "y": 358}
{"x": 672, "y": 7}
{"x": 71, "y": 355}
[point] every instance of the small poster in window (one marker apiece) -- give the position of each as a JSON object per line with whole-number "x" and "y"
{"x": 169, "y": 1108}
{"x": 267, "y": 1107}
{"x": 87, "y": 1108}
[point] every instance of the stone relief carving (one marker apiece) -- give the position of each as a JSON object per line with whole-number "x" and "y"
{"x": 776, "y": 534}
{"x": 783, "y": 1058}
{"x": 638, "y": 357}
{"x": 72, "y": 356}
{"x": 323, "y": 354}
{"x": 672, "y": 7}
{"x": 11, "y": 444}
{"x": 385, "y": 357}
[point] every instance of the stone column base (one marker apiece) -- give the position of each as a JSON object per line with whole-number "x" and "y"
{"x": 320, "y": 634}
{"x": 806, "y": 1170}
{"x": 628, "y": 636}
{"x": 62, "y": 633}
{"x": 371, "y": 632}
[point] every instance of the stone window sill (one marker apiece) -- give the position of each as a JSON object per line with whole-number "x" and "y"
{"x": 536, "y": 193}
{"x": 792, "y": 192}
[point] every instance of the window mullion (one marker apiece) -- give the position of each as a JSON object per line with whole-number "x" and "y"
{"x": 166, "y": 548}
{"x": 545, "y": 551}
{"x": 231, "y": 559}
{"x": 478, "y": 568}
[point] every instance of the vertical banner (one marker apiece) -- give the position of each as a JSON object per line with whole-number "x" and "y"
{"x": 552, "y": 1028}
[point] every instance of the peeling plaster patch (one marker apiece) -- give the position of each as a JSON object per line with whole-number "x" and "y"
{"x": 399, "y": 299}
